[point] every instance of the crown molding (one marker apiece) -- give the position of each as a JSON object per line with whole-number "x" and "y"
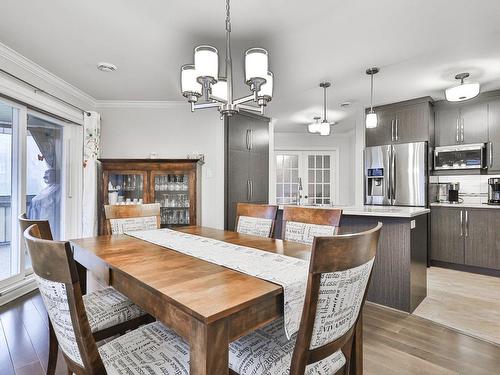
{"x": 158, "y": 104}
{"x": 42, "y": 73}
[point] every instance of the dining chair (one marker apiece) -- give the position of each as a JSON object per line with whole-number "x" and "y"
{"x": 151, "y": 348}
{"x": 339, "y": 275}
{"x": 255, "y": 219}
{"x": 302, "y": 224}
{"x": 131, "y": 217}
{"x": 109, "y": 312}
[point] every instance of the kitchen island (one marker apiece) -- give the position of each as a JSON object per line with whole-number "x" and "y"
{"x": 399, "y": 278}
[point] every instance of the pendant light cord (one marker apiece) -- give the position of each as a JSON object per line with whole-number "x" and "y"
{"x": 324, "y": 105}
{"x": 371, "y": 93}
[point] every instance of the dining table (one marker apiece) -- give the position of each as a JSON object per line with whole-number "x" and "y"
{"x": 207, "y": 304}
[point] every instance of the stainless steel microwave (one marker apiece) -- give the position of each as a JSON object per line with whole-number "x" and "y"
{"x": 471, "y": 156}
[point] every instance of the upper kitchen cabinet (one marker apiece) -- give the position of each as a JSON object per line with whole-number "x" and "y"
{"x": 459, "y": 123}
{"x": 494, "y": 135}
{"x": 404, "y": 122}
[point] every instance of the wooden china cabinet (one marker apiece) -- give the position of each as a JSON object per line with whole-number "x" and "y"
{"x": 174, "y": 183}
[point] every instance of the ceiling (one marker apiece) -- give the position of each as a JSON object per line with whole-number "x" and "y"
{"x": 418, "y": 45}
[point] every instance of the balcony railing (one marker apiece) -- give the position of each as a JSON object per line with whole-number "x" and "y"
{"x": 5, "y": 218}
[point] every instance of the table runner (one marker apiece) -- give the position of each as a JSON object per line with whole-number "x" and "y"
{"x": 291, "y": 273}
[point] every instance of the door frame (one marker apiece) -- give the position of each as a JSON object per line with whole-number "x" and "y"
{"x": 302, "y": 150}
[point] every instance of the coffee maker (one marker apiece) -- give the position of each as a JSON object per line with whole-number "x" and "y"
{"x": 494, "y": 190}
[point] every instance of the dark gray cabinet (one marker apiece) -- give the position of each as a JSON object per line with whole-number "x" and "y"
{"x": 482, "y": 238}
{"x": 404, "y": 122}
{"x": 493, "y": 149}
{"x": 466, "y": 236}
{"x": 447, "y": 241}
{"x": 458, "y": 123}
{"x": 247, "y": 162}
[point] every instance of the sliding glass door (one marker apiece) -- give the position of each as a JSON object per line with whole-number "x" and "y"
{"x": 37, "y": 173}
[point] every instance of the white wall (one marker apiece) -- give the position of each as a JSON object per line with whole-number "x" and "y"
{"x": 171, "y": 131}
{"x": 343, "y": 142}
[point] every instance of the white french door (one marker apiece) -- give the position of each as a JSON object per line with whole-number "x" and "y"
{"x": 309, "y": 176}
{"x": 37, "y": 177}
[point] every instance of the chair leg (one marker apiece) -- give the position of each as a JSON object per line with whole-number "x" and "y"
{"x": 347, "y": 350}
{"x": 53, "y": 349}
{"x": 69, "y": 371}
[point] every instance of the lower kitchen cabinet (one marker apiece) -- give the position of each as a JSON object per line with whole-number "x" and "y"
{"x": 466, "y": 236}
{"x": 482, "y": 238}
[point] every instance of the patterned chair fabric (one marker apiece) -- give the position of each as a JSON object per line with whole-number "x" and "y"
{"x": 131, "y": 224}
{"x": 107, "y": 307}
{"x": 340, "y": 298}
{"x": 254, "y": 225}
{"x": 150, "y": 349}
{"x": 267, "y": 351}
{"x": 305, "y": 232}
{"x": 55, "y": 299}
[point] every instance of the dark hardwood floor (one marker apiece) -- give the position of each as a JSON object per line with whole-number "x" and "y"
{"x": 395, "y": 343}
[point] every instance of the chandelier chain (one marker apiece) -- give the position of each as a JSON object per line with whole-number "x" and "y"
{"x": 228, "y": 16}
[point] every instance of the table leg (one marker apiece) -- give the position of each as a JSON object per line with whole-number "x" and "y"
{"x": 209, "y": 348}
{"x": 82, "y": 276}
{"x": 357, "y": 353}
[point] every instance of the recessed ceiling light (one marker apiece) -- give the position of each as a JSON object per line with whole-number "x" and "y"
{"x": 106, "y": 67}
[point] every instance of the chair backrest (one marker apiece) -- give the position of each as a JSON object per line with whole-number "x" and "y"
{"x": 57, "y": 277}
{"x": 302, "y": 224}
{"x": 255, "y": 219}
{"x": 339, "y": 275}
{"x": 131, "y": 217}
{"x": 43, "y": 226}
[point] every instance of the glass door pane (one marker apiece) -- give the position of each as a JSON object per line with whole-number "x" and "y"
{"x": 125, "y": 188}
{"x": 43, "y": 173}
{"x": 320, "y": 176}
{"x": 287, "y": 178}
{"x": 8, "y": 251}
{"x": 171, "y": 190}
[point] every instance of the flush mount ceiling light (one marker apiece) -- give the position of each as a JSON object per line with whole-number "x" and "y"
{"x": 106, "y": 67}
{"x": 201, "y": 79}
{"x": 463, "y": 91}
{"x": 371, "y": 116}
{"x": 323, "y": 127}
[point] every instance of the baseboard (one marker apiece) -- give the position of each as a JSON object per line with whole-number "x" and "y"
{"x": 18, "y": 290}
{"x": 464, "y": 268}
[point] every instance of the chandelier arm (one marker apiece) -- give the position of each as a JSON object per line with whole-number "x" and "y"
{"x": 251, "y": 108}
{"x": 195, "y": 106}
{"x": 245, "y": 99}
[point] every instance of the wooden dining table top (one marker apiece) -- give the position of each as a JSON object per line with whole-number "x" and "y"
{"x": 205, "y": 290}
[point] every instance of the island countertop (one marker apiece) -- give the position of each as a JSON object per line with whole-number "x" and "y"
{"x": 380, "y": 211}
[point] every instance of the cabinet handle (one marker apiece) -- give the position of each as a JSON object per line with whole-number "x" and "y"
{"x": 462, "y": 128}
{"x": 490, "y": 154}
{"x": 461, "y": 224}
{"x": 458, "y": 130}
{"x": 397, "y": 130}
{"x": 392, "y": 130}
{"x": 251, "y": 139}
{"x": 251, "y": 190}
{"x": 247, "y": 139}
{"x": 466, "y": 223}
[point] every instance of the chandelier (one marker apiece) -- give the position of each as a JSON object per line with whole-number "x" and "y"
{"x": 321, "y": 127}
{"x": 201, "y": 79}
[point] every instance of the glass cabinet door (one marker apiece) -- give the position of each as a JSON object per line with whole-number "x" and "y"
{"x": 126, "y": 188}
{"x": 173, "y": 191}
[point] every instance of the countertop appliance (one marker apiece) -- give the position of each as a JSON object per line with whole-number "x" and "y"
{"x": 445, "y": 192}
{"x": 453, "y": 189}
{"x": 471, "y": 156}
{"x": 396, "y": 175}
{"x": 494, "y": 190}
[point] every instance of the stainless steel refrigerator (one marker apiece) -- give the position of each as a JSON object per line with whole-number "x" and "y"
{"x": 396, "y": 175}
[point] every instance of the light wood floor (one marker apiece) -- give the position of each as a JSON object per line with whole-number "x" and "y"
{"x": 464, "y": 301}
{"x": 395, "y": 344}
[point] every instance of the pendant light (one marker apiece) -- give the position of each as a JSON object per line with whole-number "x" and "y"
{"x": 463, "y": 91}
{"x": 323, "y": 127}
{"x": 371, "y": 116}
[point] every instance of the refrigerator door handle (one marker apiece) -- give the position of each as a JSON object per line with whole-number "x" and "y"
{"x": 389, "y": 174}
{"x": 461, "y": 224}
{"x": 458, "y": 130}
{"x": 393, "y": 175}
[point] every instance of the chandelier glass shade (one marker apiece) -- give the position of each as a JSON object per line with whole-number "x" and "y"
{"x": 371, "y": 120}
{"x": 203, "y": 88}
{"x": 321, "y": 127}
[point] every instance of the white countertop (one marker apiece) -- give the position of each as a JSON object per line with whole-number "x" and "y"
{"x": 465, "y": 205}
{"x": 380, "y": 211}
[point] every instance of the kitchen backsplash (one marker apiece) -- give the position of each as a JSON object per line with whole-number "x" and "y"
{"x": 473, "y": 188}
